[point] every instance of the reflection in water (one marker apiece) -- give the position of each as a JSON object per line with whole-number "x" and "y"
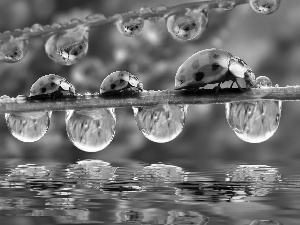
{"x": 93, "y": 191}
{"x": 265, "y": 222}
{"x": 261, "y": 178}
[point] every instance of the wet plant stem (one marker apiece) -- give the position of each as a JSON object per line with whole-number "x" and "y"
{"x": 148, "y": 98}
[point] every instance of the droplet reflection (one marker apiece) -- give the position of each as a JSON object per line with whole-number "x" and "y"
{"x": 266, "y": 222}
{"x": 265, "y": 6}
{"x": 130, "y": 27}
{"x": 91, "y": 130}
{"x": 68, "y": 47}
{"x": 13, "y": 49}
{"x": 28, "y": 127}
{"x": 161, "y": 123}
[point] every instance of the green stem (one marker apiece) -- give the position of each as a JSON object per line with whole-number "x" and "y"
{"x": 147, "y": 98}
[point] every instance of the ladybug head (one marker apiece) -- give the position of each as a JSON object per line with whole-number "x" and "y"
{"x": 250, "y": 79}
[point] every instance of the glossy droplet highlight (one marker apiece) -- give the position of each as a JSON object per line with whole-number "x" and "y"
{"x": 13, "y": 49}
{"x": 265, "y": 6}
{"x": 68, "y": 47}
{"x": 263, "y": 82}
{"x": 92, "y": 130}
{"x": 266, "y": 222}
{"x": 130, "y": 27}
{"x": 161, "y": 123}
{"x": 28, "y": 127}
{"x": 254, "y": 121}
{"x": 186, "y": 24}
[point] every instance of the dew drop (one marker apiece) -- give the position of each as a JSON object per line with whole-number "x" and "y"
{"x": 29, "y": 126}
{"x": 266, "y": 222}
{"x": 13, "y": 49}
{"x": 95, "y": 18}
{"x": 68, "y": 46}
{"x": 36, "y": 28}
{"x": 21, "y": 99}
{"x": 263, "y": 82}
{"x": 227, "y": 5}
{"x": 161, "y": 123}
{"x": 91, "y": 130}
{"x": 254, "y": 121}
{"x": 186, "y": 24}
{"x": 265, "y": 6}
{"x": 130, "y": 27}
{"x": 5, "y": 99}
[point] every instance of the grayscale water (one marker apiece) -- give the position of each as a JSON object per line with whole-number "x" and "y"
{"x": 94, "y": 192}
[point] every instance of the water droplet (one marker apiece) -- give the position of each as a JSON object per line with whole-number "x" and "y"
{"x": 263, "y": 82}
{"x": 75, "y": 21}
{"x": 52, "y": 86}
{"x": 130, "y": 27}
{"x": 28, "y": 171}
{"x": 161, "y": 123}
{"x": 21, "y": 99}
{"x": 36, "y": 28}
{"x": 28, "y": 127}
{"x": 227, "y": 5}
{"x": 13, "y": 49}
{"x": 254, "y": 121}
{"x": 91, "y": 130}
{"x": 5, "y": 99}
{"x": 68, "y": 46}
{"x": 266, "y": 222}
{"x": 87, "y": 95}
{"x": 265, "y": 6}
{"x": 186, "y": 24}
{"x": 145, "y": 10}
{"x": 95, "y": 18}
{"x": 56, "y": 25}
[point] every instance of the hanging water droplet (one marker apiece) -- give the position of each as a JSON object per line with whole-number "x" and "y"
{"x": 265, "y": 6}
{"x": 254, "y": 121}
{"x": 186, "y": 24}
{"x": 161, "y": 123}
{"x": 130, "y": 27}
{"x": 266, "y": 222}
{"x": 28, "y": 127}
{"x": 13, "y": 49}
{"x": 91, "y": 130}
{"x": 36, "y": 28}
{"x": 227, "y": 5}
{"x": 263, "y": 82}
{"x": 69, "y": 46}
{"x": 56, "y": 25}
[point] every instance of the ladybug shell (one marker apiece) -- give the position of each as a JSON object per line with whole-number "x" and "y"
{"x": 204, "y": 67}
{"x": 52, "y": 84}
{"x": 119, "y": 81}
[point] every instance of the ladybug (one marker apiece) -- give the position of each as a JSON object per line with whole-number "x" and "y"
{"x": 73, "y": 52}
{"x": 51, "y": 86}
{"x": 121, "y": 82}
{"x": 213, "y": 66}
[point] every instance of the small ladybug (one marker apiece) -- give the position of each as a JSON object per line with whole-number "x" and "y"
{"x": 121, "y": 81}
{"x": 212, "y": 66}
{"x": 52, "y": 86}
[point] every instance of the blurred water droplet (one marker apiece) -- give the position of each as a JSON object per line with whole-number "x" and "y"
{"x": 21, "y": 99}
{"x": 130, "y": 27}
{"x": 36, "y": 28}
{"x": 69, "y": 46}
{"x": 263, "y": 82}
{"x": 95, "y": 18}
{"x": 161, "y": 123}
{"x": 145, "y": 10}
{"x": 75, "y": 21}
{"x": 13, "y": 49}
{"x": 266, "y": 222}
{"x": 186, "y": 24}
{"x": 28, "y": 127}
{"x": 91, "y": 130}
{"x": 227, "y": 5}
{"x": 5, "y": 99}
{"x": 28, "y": 171}
{"x": 254, "y": 121}
{"x": 56, "y": 25}
{"x": 87, "y": 95}
{"x": 265, "y": 6}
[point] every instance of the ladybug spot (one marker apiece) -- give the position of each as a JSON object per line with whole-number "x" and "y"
{"x": 182, "y": 70}
{"x": 199, "y": 76}
{"x": 113, "y": 86}
{"x": 43, "y": 90}
{"x": 76, "y": 53}
{"x": 121, "y": 81}
{"x": 182, "y": 79}
{"x": 111, "y": 79}
{"x": 195, "y": 64}
{"x": 216, "y": 56}
{"x": 52, "y": 84}
{"x": 215, "y": 66}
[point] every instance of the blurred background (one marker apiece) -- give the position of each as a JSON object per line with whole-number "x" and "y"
{"x": 270, "y": 45}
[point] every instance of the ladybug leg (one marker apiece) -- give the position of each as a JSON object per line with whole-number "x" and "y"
{"x": 232, "y": 84}
{"x": 217, "y": 90}
{"x": 241, "y": 89}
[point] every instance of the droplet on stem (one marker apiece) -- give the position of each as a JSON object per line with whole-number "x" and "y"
{"x": 265, "y": 6}
{"x": 130, "y": 27}
{"x": 186, "y": 24}
{"x": 266, "y": 222}
{"x": 263, "y": 82}
{"x": 29, "y": 126}
{"x": 161, "y": 123}
{"x": 69, "y": 46}
{"x": 13, "y": 49}
{"x": 254, "y": 121}
{"x": 91, "y": 130}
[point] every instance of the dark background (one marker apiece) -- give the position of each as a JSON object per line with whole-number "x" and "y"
{"x": 269, "y": 44}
